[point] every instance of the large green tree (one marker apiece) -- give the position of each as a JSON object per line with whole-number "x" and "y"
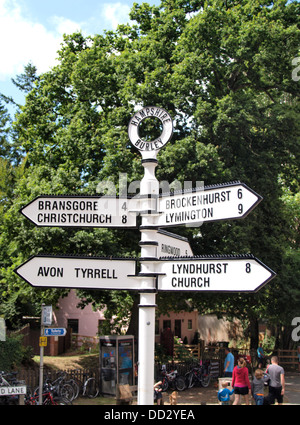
{"x": 223, "y": 70}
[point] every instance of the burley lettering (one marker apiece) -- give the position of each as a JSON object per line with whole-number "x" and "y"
{"x": 136, "y": 120}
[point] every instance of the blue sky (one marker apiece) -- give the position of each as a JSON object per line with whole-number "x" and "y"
{"x": 32, "y": 30}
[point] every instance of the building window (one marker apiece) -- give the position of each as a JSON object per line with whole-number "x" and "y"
{"x": 156, "y": 327}
{"x": 166, "y": 324}
{"x": 190, "y": 324}
{"x": 74, "y": 325}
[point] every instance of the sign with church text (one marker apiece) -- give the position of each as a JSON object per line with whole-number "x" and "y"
{"x": 220, "y": 274}
{"x": 79, "y": 272}
{"x": 228, "y": 201}
{"x": 79, "y": 211}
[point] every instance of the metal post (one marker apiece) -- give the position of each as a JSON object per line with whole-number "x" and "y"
{"x": 41, "y": 361}
{"x": 149, "y": 191}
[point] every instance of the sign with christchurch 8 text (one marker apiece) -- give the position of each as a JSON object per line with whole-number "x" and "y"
{"x": 79, "y": 272}
{"x": 80, "y": 211}
{"x": 224, "y": 274}
{"x": 228, "y": 201}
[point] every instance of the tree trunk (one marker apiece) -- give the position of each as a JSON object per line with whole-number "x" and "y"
{"x": 254, "y": 339}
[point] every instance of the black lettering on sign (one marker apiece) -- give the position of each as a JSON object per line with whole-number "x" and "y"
{"x": 51, "y": 271}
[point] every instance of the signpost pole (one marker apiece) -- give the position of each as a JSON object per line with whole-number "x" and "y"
{"x": 41, "y": 360}
{"x": 149, "y": 191}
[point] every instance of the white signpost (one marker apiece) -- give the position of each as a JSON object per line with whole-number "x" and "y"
{"x": 80, "y": 211}
{"x": 79, "y": 272}
{"x": 228, "y": 201}
{"x": 171, "y": 245}
{"x": 179, "y": 271}
{"x": 219, "y": 274}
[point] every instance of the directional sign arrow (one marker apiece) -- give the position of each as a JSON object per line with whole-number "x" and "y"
{"x": 228, "y": 201}
{"x": 172, "y": 245}
{"x": 55, "y": 331}
{"x": 79, "y": 272}
{"x": 79, "y": 211}
{"x": 223, "y": 273}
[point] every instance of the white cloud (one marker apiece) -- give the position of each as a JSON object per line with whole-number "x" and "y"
{"x": 64, "y": 25}
{"x": 116, "y": 13}
{"x": 24, "y": 41}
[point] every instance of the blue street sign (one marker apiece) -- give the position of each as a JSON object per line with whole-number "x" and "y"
{"x": 55, "y": 332}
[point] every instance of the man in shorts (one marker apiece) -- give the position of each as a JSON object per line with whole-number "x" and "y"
{"x": 276, "y": 382}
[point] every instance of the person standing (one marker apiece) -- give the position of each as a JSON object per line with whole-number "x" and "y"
{"x": 258, "y": 386}
{"x": 240, "y": 381}
{"x": 228, "y": 363}
{"x": 260, "y": 356}
{"x": 276, "y": 382}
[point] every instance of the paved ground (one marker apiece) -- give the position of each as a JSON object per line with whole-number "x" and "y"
{"x": 199, "y": 395}
{"x": 292, "y": 388}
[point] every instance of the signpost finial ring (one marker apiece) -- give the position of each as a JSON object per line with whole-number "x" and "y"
{"x": 137, "y": 119}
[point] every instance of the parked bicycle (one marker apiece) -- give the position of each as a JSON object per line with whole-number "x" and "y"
{"x": 61, "y": 387}
{"x": 48, "y": 397}
{"x": 89, "y": 387}
{"x": 172, "y": 380}
{"x": 198, "y": 376}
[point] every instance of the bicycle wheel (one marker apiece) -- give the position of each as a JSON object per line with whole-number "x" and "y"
{"x": 66, "y": 391}
{"x": 61, "y": 401}
{"x": 75, "y": 387}
{"x": 91, "y": 388}
{"x": 180, "y": 383}
{"x": 165, "y": 384}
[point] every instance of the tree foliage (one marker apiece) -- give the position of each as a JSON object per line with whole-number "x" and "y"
{"x": 223, "y": 70}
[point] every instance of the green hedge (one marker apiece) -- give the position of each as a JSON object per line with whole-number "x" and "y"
{"x": 12, "y": 353}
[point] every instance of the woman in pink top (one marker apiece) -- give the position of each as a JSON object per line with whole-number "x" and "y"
{"x": 240, "y": 381}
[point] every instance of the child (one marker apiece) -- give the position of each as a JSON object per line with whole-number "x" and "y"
{"x": 157, "y": 392}
{"x": 257, "y": 387}
{"x": 225, "y": 393}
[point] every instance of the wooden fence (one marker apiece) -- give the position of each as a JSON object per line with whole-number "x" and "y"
{"x": 88, "y": 342}
{"x": 288, "y": 358}
{"x": 31, "y": 376}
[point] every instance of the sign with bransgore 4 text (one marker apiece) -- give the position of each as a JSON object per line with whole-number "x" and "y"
{"x": 79, "y": 211}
